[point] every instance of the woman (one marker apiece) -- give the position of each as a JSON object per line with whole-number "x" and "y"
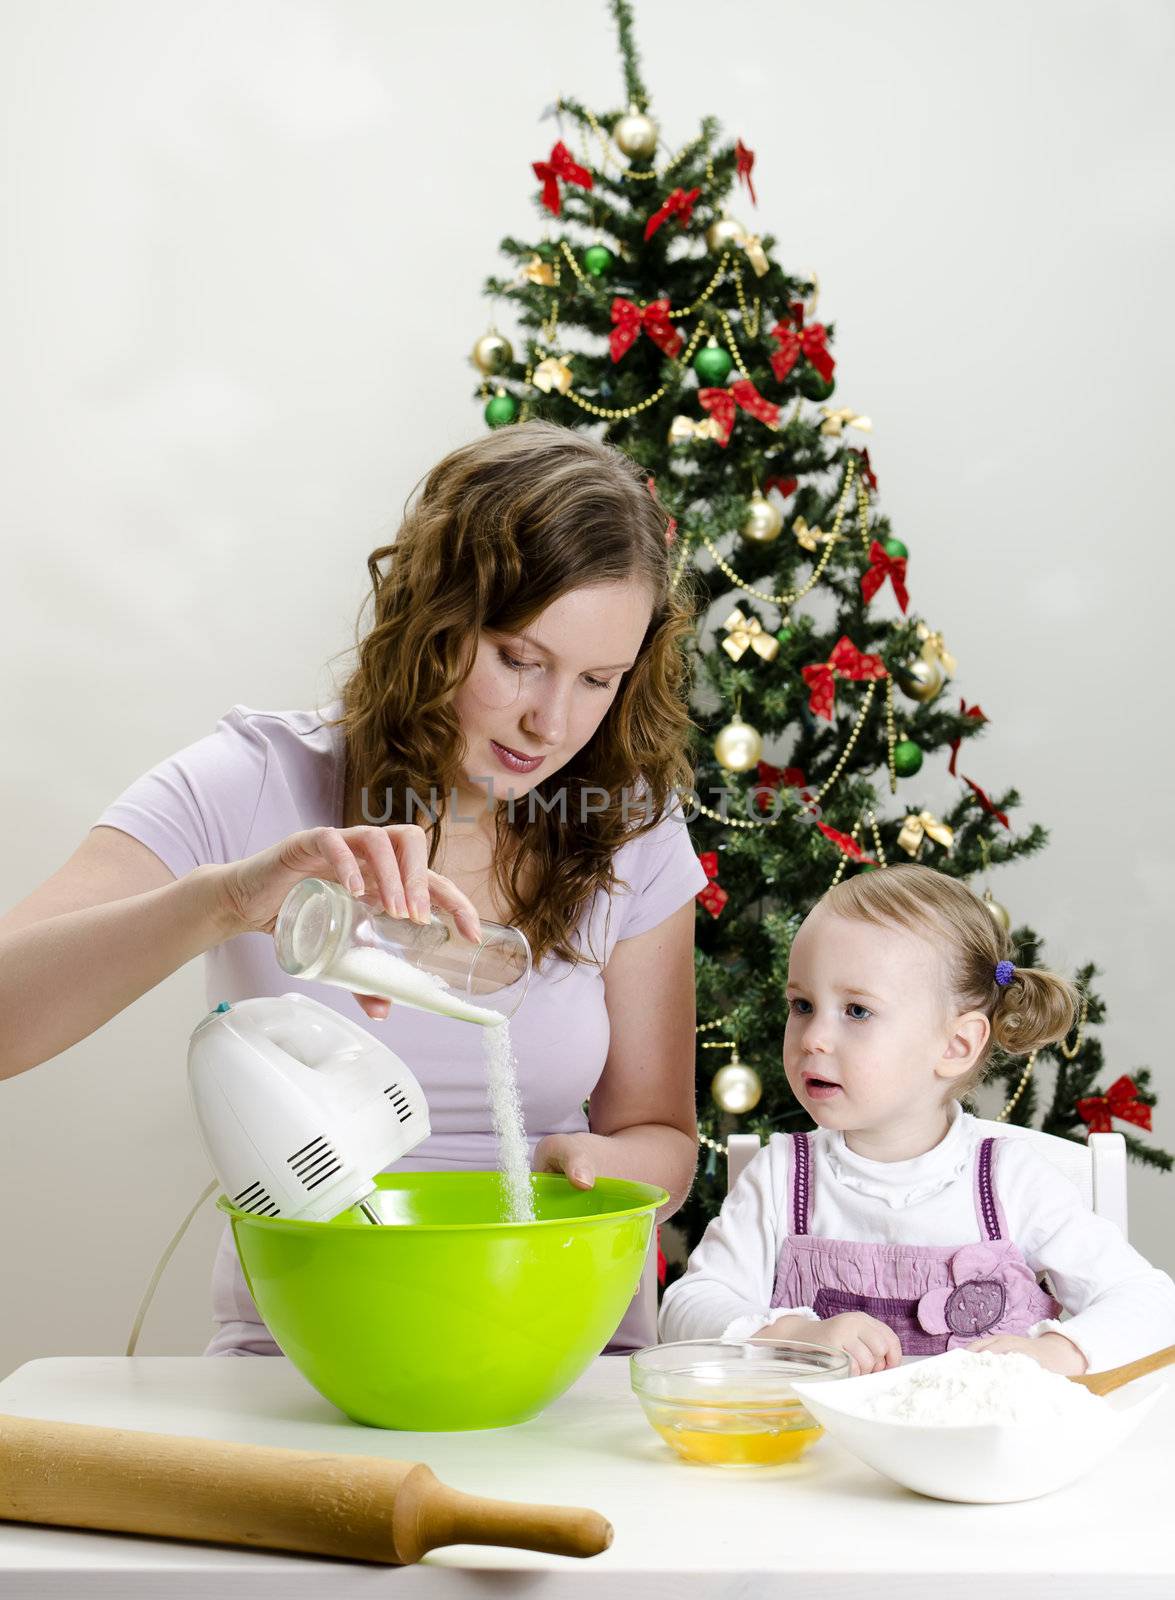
{"x": 508, "y": 746}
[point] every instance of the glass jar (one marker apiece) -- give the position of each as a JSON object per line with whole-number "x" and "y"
{"x": 325, "y": 935}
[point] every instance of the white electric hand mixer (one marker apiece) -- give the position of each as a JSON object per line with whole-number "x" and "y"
{"x": 298, "y": 1107}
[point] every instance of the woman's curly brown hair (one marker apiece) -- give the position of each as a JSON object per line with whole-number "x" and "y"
{"x": 498, "y": 530}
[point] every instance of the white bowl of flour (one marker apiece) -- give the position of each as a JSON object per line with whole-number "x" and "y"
{"x": 977, "y": 1426}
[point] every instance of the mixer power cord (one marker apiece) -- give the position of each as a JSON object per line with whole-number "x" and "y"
{"x": 161, "y": 1267}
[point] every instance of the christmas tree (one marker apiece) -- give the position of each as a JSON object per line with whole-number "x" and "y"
{"x": 649, "y": 314}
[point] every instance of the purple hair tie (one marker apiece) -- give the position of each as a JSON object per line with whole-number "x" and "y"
{"x": 1004, "y": 973}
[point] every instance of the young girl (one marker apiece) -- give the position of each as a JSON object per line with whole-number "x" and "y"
{"x": 897, "y": 1228}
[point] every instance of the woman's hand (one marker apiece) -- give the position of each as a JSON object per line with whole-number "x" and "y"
{"x": 870, "y": 1345}
{"x": 1053, "y": 1351}
{"x": 386, "y": 867}
{"x": 570, "y": 1154}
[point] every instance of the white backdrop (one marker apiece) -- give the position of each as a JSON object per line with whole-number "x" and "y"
{"x": 246, "y": 241}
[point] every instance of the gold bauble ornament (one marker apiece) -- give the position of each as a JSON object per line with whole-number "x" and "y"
{"x": 736, "y": 1088}
{"x": 636, "y": 135}
{"x": 920, "y": 679}
{"x": 492, "y": 353}
{"x": 725, "y": 234}
{"x": 764, "y": 521}
{"x": 738, "y": 746}
{"x": 999, "y": 913}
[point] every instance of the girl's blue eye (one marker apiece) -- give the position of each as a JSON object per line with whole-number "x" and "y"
{"x": 798, "y": 1005}
{"x": 855, "y": 1007}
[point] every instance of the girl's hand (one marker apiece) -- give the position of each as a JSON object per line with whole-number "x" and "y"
{"x": 386, "y": 867}
{"x": 1054, "y": 1352}
{"x": 870, "y": 1345}
{"x": 569, "y": 1154}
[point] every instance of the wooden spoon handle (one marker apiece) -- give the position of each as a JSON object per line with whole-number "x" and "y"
{"x": 1115, "y": 1377}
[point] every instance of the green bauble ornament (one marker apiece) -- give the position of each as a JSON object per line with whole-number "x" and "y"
{"x": 813, "y": 386}
{"x": 895, "y": 548}
{"x": 784, "y": 634}
{"x": 907, "y": 758}
{"x": 502, "y": 409}
{"x": 712, "y": 364}
{"x": 598, "y": 260}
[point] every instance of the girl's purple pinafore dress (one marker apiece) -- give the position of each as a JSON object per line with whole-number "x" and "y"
{"x": 934, "y": 1297}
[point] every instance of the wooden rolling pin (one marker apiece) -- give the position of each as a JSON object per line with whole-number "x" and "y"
{"x": 360, "y": 1507}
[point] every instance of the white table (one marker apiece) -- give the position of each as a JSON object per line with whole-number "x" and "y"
{"x": 827, "y": 1527}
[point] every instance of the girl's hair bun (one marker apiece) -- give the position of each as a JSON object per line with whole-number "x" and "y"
{"x": 1036, "y": 1008}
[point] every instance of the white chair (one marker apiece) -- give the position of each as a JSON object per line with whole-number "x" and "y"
{"x": 1097, "y": 1169}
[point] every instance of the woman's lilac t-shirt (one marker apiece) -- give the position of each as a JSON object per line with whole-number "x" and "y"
{"x": 263, "y": 775}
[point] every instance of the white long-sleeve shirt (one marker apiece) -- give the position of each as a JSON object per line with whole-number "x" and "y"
{"x": 1119, "y": 1306}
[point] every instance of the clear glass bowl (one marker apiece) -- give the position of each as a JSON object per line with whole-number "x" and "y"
{"x": 731, "y": 1404}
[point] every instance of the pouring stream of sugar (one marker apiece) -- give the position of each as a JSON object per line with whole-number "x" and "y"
{"x": 378, "y": 972}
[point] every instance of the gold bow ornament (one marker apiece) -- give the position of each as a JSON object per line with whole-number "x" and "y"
{"x": 748, "y": 631}
{"x": 537, "y": 270}
{"x": 755, "y": 254}
{"x": 933, "y": 649}
{"x": 683, "y": 428}
{"x": 553, "y": 373}
{"x": 837, "y": 421}
{"x": 811, "y": 537}
{"x": 920, "y": 826}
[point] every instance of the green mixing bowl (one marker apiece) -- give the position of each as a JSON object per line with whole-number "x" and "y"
{"x": 447, "y": 1317}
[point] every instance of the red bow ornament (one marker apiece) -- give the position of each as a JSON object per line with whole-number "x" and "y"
{"x": 881, "y": 567}
{"x": 559, "y": 165}
{"x": 966, "y": 711}
{"x": 984, "y": 801}
{"x": 745, "y": 160}
{"x": 721, "y": 404}
{"x": 809, "y": 342}
{"x": 848, "y": 846}
{"x": 773, "y": 778}
{"x": 1120, "y": 1100}
{"x": 680, "y": 204}
{"x": 867, "y": 471}
{"x": 653, "y": 318}
{"x": 846, "y": 661}
{"x": 713, "y": 896}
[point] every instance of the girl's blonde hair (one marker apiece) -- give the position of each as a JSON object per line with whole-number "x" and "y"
{"x": 1035, "y": 1008}
{"x": 498, "y": 530}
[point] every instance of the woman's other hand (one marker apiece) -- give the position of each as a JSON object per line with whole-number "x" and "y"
{"x": 570, "y": 1154}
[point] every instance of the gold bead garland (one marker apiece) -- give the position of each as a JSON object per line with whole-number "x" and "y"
{"x": 852, "y": 739}
{"x": 1020, "y": 1088}
{"x": 740, "y": 364}
{"x": 620, "y": 413}
{"x": 789, "y": 599}
{"x": 1063, "y": 1047}
{"x": 750, "y": 319}
{"x": 878, "y": 848}
{"x": 891, "y": 737}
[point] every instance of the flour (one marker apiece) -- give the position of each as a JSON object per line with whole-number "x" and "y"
{"x": 964, "y": 1387}
{"x": 367, "y": 971}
